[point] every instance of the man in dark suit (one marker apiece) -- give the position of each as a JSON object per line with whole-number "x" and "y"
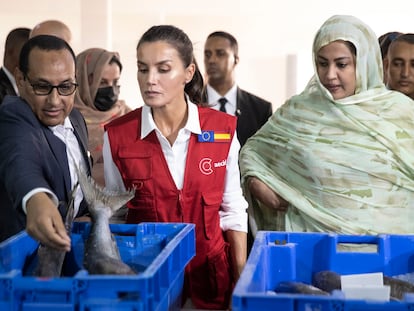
{"x": 14, "y": 42}
{"x": 42, "y": 140}
{"x": 220, "y": 60}
{"x": 221, "y": 56}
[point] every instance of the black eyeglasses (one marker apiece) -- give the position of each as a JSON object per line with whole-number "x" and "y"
{"x": 44, "y": 88}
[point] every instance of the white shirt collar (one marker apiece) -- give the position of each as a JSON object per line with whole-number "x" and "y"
{"x": 67, "y": 125}
{"x": 11, "y": 79}
{"x": 231, "y": 96}
{"x": 148, "y": 124}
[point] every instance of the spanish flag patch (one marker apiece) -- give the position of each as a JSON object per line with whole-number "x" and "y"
{"x": 214, "y": 137}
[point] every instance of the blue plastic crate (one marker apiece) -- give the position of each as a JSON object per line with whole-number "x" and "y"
{"x": 293, "y": 256}
{"x": 158, "y": 251}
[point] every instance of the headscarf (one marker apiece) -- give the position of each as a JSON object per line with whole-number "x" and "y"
{"x": 92, "y": 62}
{"x": 346, "y": 165}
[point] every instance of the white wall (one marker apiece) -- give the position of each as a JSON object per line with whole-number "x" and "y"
{"x": 274, "y": 36}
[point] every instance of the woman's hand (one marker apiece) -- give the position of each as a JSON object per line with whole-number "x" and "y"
{"x": 265, "y": 195}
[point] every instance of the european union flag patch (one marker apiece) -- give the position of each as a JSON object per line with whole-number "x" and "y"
{"x": 213, "y": 137}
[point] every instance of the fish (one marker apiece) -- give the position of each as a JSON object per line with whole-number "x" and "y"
{"x": 101, "y": 253}
{"x": 398, "y": 287}
{"x": 327, "y": 280}
{"x": 330, "y": 280}
{"x": 294, "y": 287}
{"x": 49, "y": 259}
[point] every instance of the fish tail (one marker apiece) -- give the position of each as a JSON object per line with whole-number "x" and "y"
{"x": 97, "y": 196}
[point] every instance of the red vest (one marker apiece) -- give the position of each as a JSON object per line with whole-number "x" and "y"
{"x": 142, "y": 166}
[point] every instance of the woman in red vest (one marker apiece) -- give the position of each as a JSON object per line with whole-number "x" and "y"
{"x": 182, "y": 159}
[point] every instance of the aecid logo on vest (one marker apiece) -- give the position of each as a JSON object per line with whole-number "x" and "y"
{"x": 207, "y": 165}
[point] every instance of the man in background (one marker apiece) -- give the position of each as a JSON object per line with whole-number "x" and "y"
{"x": 221, "y": 56}
{"x": 14, "y": 42}
{"x": 220, "y": 59}
{"x": 384, "y": 41}
{"x": 53, "y": 28}
{"x": 399, "y": 64}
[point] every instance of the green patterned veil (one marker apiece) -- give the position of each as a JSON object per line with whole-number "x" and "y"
{"x": 345, "y": 166}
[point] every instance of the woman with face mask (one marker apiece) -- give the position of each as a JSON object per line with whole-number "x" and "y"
{"x": 98, "y": 72}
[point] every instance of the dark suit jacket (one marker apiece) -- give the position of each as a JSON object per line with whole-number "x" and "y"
{"x": 31, "y": 156}
{"x": 6, "y": 87}
{"x": 251, "y": 111}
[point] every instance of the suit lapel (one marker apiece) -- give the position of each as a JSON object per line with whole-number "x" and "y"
{"x": 81, "y": 136}
{"x": 6, "y": 83}
{"x": 239, "y": 102}
{"x": 58, "y": 148}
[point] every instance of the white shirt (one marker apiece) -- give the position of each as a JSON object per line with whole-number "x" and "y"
{"x": 233, "y": 213}
{"x": 231, "y": 96}
{"x": 11, "y": 79}
{"x": 66, "y": 134}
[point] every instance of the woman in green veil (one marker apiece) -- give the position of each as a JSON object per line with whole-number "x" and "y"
{"x": 339, "y": 157}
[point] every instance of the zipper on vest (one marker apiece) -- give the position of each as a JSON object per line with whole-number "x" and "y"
{"x": 180, "y": 206}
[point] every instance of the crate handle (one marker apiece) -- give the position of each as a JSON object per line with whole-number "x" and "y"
{"x": 359, "y": 239}
{"x": 374, "y": 243}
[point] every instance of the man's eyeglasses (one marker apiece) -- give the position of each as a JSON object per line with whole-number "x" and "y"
{"x": 43, "y": 88}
